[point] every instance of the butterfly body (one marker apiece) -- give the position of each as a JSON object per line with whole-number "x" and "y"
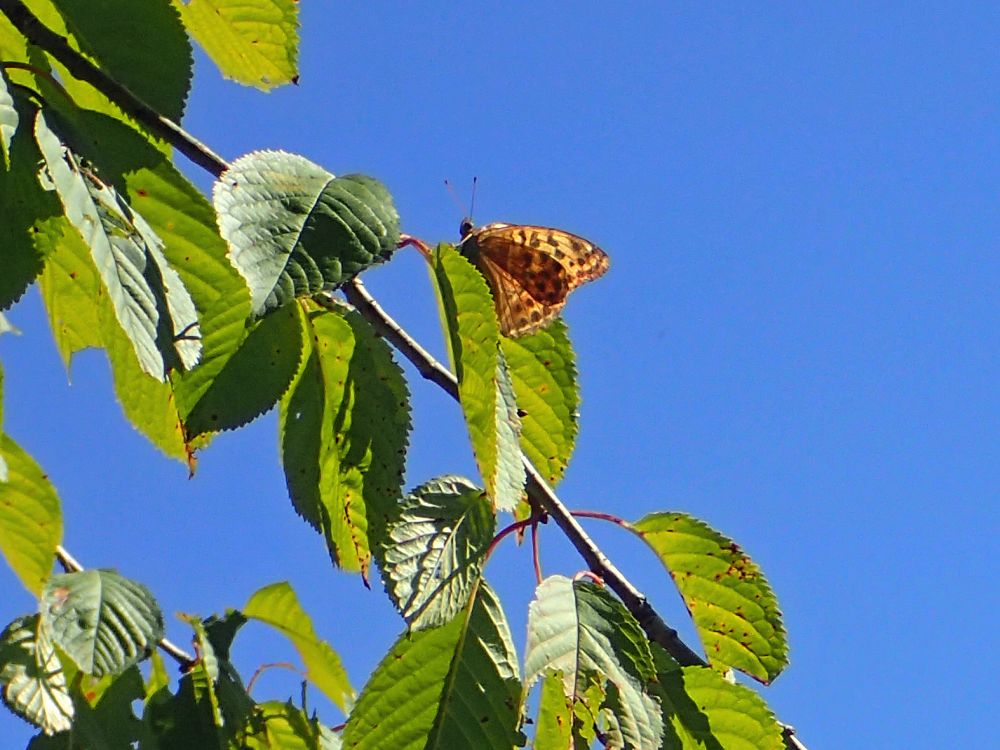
{"x": 530, "y": 270}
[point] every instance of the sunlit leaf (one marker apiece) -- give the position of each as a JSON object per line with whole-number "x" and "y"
{"x": 730, "y": 600}
{"x": 542, "y": 368}
{"x": 581, "y": 630}
{"x": 278, "y": 606}
{"x": 150, "y": 300}
{"x": 30, "y": 517}
{"x": 554, "y": 726}
{"x": 343, "y": 427}
{"x": 484, "y": 386}
{"x": 294, "y": 229}
{"x": 32, "y": 683}
{"x": 8, "y": 120}
{"x": 254, "y": 42}
{"x": 454, "y": 686}
{"x": 436, "y": 550}
{"x": 103, "y": 621}
{"x": 282, "y": 726}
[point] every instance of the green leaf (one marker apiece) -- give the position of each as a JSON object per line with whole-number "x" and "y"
{"x": 203, "y": 677}
{"x": 31, "y": 678}
{"x": 254, "y": 378}
{"x": 282, "y": 726}
{"x": 184, "y": 219}
{"x": 150, "y": 301}
{"x": 234, "y": 702}
{"x": 294, "y": 229}
{"x": 159, "y": 75}
{"x": 103, "y": 621}
{"x": 158, "y": 677}
{"x": 701, "y": 709}
{"x": 254, "y": 42}
{"x": 454, "y": 686}
{"x": 581, "y": 630}
{"x": 4, "y": 472}
{"x": 436, "y": 550}
{"x": 278, "y": 606}
{"x": 730, "y": 601}
{"x": 104, "y": 720}
{"x": 343, "y": 427}
{"x": 484, "y": 385}
{"x": 80, "y": 315}
{"x": 30, "y": 518}
{"x": 25, "y": 210}
{"x": 198, "y": 715}
{"x": 554, "y": 727}
{"x": 7, "y": 327}
{"x": 543, "y": 370}
{"x": 8, "y": 120}
{"x": 71, "y": 289}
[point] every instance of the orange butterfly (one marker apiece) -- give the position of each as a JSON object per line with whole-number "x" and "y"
{"x": 530, "y": 270}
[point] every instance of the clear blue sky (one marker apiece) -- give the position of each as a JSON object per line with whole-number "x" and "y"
{"x": 797, "y": 342}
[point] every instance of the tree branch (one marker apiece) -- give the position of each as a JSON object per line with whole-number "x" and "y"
{"x": 538, "y": 490}
{"x": 71, "y": 565}
{"x": 81, "y": 68}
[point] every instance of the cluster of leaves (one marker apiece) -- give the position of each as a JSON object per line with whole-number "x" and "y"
{"x": 213, "y": 313}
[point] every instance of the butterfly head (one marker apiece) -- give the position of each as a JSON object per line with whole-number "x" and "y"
{"x": 465, "y": 228}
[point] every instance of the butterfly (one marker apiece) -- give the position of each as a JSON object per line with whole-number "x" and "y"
{"x": 530, "y": 270}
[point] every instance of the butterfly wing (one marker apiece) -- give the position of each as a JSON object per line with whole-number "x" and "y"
{"x": 518, "y": 310}
{"x": 581, "y": 259}
{"x": 531, "y": 270}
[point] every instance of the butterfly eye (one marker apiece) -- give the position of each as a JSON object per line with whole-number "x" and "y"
{"x": 465, "y": 228}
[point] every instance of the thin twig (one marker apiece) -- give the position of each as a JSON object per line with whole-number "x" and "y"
{"x": 538, "y": 490}
{"x": 272, "y": 665}
{"x": 71, "y": 565}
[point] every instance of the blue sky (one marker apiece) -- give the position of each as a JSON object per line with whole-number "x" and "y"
{"x": 797, "y": 341}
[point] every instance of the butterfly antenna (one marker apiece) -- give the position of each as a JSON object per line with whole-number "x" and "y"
{"x": 472, "y": 203}
{"x": 454, "y": 197}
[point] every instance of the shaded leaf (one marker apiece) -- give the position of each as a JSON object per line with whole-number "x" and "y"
{"x": 436, "y": 550}
{"x": 33, "y": 684}
{"x": 702, "y": 710}
{"x": 30, "y": 517}
{"x": 254, "y": 378}
{"x": 104, "y": 718}
{"x": 160, "y": 79}
{"x": 254, "y": 42}
{"x": 543, "y": 370}
{"x": 150, "y": 300}
{"x": 25, "y": 208}
{"x": 101, "y": 620}
{"x": 730, "y": 600}
{"x": 484, "y": 386}
{"x": 581, "y": 630}
{"x": 294, "y": 229}
{"x": 453, "y": 686}
{"x": 278, "y": 606}
{"x": 343, "y": 427}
